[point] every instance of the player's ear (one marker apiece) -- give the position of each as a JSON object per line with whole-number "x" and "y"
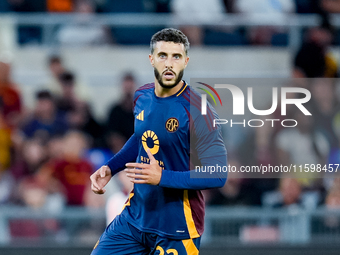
{"x": 186, "y": 61}
{"x": 151, "y": 59}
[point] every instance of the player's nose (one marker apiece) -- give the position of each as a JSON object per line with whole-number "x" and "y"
{"x": 168, "y": 64}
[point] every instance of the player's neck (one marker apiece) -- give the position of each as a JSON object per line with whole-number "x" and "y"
{"x": 163, "y": 92}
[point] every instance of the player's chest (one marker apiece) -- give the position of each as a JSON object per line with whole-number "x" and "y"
{"x": 167, "y": 123}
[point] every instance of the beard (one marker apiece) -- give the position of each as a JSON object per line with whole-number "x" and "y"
{"x": 170, "y": 86}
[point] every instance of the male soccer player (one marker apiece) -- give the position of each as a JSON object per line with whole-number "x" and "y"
{"x": 165, "y": 211}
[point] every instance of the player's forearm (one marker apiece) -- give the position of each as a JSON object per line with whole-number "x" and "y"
{"x": 127, "y": 154}
{"x": 183, "y": 180}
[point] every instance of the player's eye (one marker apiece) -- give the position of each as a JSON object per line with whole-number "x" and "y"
{"x": 162, "y": 55}
{"x": 176, "y": 57}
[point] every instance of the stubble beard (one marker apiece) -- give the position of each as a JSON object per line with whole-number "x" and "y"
{"x": 160, "y": 81}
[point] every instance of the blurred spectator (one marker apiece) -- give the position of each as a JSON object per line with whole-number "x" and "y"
{"x": 290, "y": 190}
{"x": 271, "y": 8}
{"x": 236, "y": 191}
{"x": 314, "y": 58}
{"x": 71, "y": 173}
{"x": 7, "y": 185}
{"x": 56, "y": 68}
{"x": 193, "y": 12}
{"x": 54, "y": 147}
{"x": 46, "y": 121}
{"x": 57, "y": 71}
{"x": 309, "y": 62}
{"x": 333, "y": 204}
{"x": 81, "y": 118}
{"x": 333, "y": 196}
{"x": 258, "y": 149}
{"x": 83, "y": 32}
{"x": 33, "y": 194}
{"x": 5, "y": 141}
{"x": 6, "y": 180}
{"x": 291, "y": 194}
{"x": 32, "y": 156}
{"x": 31, "y": 191}
{"x": 60, "y": 5}
{"x": 229, "y": 5}
{"x": 116, "y": 201}
{"x": 323, "y": 107}
{"x": 77, "y": 112}
{"x": 302, "y": 145}
{"x": 330, "y": 6}
{"x": 68, "y": 99}
{"x": 120, "y": 123}
{"x": 10, "y": 95}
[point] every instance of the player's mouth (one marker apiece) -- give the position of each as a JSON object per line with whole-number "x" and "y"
{"x": 168, "y": 75}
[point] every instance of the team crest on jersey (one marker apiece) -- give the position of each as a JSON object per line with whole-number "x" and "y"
{"x": 172, "y": 125}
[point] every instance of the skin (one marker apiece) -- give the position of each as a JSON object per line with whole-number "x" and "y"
{"x": 167, "y": 56}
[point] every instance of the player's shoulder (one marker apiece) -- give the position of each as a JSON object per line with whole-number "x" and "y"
{"x": 194, "y": 104}
{"x": 145, "y": 89}
{"x": 189, "y": 94}
{"x": 191, "y": 99}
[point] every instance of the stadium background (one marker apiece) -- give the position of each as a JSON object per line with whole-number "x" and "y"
{"x": 89, "y": 55}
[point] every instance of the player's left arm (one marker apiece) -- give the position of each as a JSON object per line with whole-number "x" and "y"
{"x": 153, "y": 174}
{"x": 211, "y": 151}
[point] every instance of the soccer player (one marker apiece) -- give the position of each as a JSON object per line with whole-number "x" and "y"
{"x": 165, "y": 211}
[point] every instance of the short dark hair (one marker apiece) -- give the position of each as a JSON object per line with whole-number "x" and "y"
{"x": 43, "y": 94}
{"x": 129, "y": 77}
{"x": 67, "y": 78}
{"x": 54, "y": 59}
{"x": 170, "y": 35}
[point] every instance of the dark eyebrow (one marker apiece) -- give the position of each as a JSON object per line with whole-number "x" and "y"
{"x": 162, "y": 53}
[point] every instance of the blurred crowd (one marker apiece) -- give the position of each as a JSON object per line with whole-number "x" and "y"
{"x": 315, "y": 140}
{"x": 48, "y": 153}
{"x": 55, "y": 147}
{"x": 85, "y": 32}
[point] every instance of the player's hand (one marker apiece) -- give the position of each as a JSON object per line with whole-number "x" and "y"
{"x": 144, "y": 173}
{"x": 99, "y": 179}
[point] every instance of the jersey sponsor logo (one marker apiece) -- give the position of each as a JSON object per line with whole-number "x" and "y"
{"x": 150, "y": 141}
{"x": 140, "y": 116}
{"x": 172, "y": 125}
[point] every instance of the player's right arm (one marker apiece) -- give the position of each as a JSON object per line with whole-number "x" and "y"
{"x": 99, "y": 179}
{"x": 103, "y": 175}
